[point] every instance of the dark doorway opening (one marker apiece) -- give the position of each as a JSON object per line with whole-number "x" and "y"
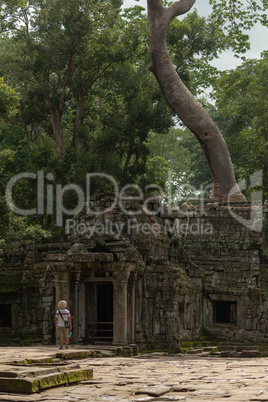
{"x": 224, "y": 312}
{"x": 100, "y": 312}
{"x": 5, "y": 315}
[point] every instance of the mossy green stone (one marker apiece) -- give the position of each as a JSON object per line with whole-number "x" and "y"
{"x": 79, "y": 375}
{"x": 74, "y": 355}
{"x": 52, "y": 380}
{"x": 19, "y": 385}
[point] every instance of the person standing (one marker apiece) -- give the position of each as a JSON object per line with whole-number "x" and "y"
{"x": 63, "y": 315}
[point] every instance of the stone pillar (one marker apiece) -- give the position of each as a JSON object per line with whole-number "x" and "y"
{"x": 48, "y": 303}
{"x": 131, "y": 307}
{"x": 82, "y": 311}
{"x": 62, "y": 286}
{"x": 140, "y": 307}
{"x": 76, "y": 307}
{"x": 120, "y": 308}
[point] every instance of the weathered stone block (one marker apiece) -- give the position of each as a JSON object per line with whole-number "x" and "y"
{"x": 19, "y": 385}
{"x": 52, "y": 380}
{"x": 153, "y": 391}
{"x": 78, "y": 375}
{"x": 74, "y": 355}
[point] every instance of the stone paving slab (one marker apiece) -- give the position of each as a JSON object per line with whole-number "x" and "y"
{"x": 29, "y": 371}
{"x": 152, "y": 377}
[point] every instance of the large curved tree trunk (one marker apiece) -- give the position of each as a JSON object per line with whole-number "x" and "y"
{"x": 189, "y": 110}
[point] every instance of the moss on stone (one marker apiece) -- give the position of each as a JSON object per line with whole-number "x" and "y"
{"x": 74, "y": 355}
{"x": 43, "y": 360}
{"x": 19, "y": 385}
{"x": 79, "y": 375}
{"x": 126, "y": 352}
{"x": 20, "y": 362}
{"x": 33, "y": 340}
{"x": 186, "y": 345}
{"x": 52, "y": 380}
{"x": 11, "y": 279}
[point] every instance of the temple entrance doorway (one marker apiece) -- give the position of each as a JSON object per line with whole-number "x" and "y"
{"x": 99, "y": 312}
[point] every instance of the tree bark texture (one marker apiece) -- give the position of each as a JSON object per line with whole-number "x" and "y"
{"x": 185, "y": 105}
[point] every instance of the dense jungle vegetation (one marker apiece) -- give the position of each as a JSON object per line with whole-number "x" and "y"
{"x": 76, "y": 97}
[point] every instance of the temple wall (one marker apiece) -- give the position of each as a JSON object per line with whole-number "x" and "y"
{"x": 231, "y": 260}
{"x": 201, "y": 272}
{"x": 27, "y": 294}
{"x": 170, "y": 307}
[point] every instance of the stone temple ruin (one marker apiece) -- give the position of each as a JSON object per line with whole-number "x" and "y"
{"x": 141, "y": 274}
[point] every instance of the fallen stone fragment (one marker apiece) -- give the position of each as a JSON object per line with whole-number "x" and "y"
{"x": 249, "y": 353}
{"x": 92, "y": 382}
{"x": 195, "y": 351}
{"x": 107, "y": 354}
{"x": 154, "y": 391}
{"x": 179, "y": 388}
{"x": 212, "y": 349}
{"x": 204, "y": 354}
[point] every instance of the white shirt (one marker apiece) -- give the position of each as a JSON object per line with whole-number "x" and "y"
{"x": 65, "y": 314}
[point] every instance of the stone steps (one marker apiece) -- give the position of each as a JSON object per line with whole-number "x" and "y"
{"x": 195, "y": 351}
{"x": 19, "y": 382}
{"x": 32, "y": 375}
{"x": 230, "y": 350}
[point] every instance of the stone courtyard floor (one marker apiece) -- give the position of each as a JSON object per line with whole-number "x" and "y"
{"x": 151, "y": 377}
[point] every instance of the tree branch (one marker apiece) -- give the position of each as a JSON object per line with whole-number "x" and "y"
{"x": 178, "y": 8}
{"x": 184, "y": 104}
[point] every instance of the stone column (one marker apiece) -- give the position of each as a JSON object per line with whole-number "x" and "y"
{"x": 82, "y": 311}
{"x": 62, "y": 285}
{"x": 120, "y": 307}
{"x": 139, "y": 308}
{"x": 131, "y": 307}
{"x": 76, "y": 307}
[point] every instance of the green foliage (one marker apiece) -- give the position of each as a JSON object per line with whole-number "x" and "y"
{"x": 185, "y": 167}
{"x": 56, "y": 54}
{"x": 157, "y": 172}
{"x": 171, "y": 147}
{"x": 242, "y": 99}
{"x": 19, "y": 230}
{"x": 5, "y": 156}
{"x": 193, "y": 43}
{"x": 9, "y": 101}
{"x": 234, "y": 17}
{"x": 131, "y": 106}
{"x": 76, "y": 97}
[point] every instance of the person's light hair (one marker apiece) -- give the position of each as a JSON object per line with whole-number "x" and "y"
{"x": 62, "y": 304}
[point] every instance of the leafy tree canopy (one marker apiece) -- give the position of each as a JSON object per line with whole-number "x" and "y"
{"x": 9, "y": 101}
{"x": 235, "y": 17}
{"x": 76, "y": 97}
{"x": 242, "y": 102}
